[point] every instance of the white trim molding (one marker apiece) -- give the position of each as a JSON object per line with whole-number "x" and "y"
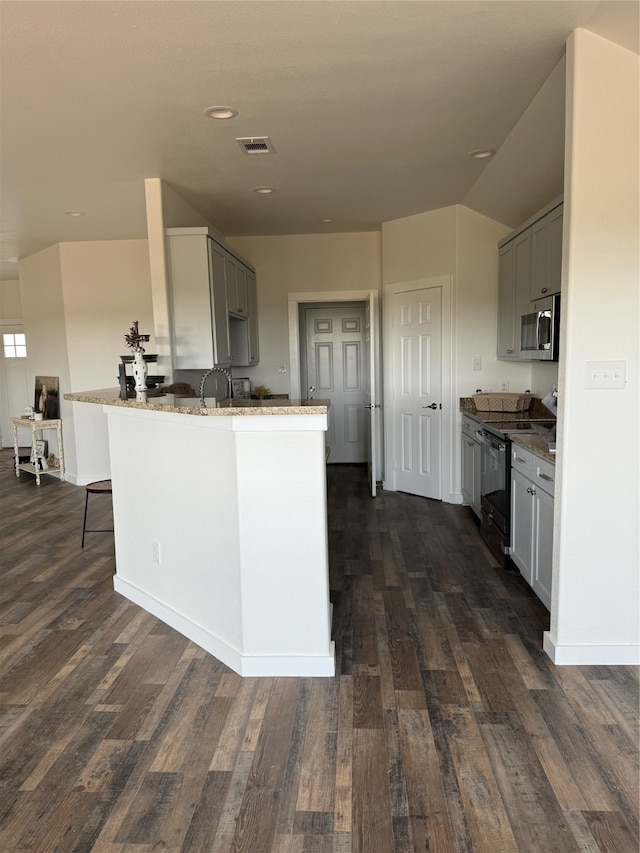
{"x": 579, "y": 654}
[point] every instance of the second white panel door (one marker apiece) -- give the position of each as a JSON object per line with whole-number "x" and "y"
{"x": 417, "y": 391}
{"x": 335, "y": 356}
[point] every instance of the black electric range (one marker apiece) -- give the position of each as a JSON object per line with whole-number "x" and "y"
{"x": 494, "y": 434}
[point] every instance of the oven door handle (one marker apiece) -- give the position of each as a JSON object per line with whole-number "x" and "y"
{"x": 492, "y": 441}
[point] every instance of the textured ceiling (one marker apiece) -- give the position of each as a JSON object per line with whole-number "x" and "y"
{"x": 371, "y": 107}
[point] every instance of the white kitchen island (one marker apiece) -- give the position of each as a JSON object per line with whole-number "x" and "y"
{"x": 220, "y": 526}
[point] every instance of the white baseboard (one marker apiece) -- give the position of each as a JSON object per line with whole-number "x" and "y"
{"x": 591, "y": 655}
{"x": 304, "y": 666}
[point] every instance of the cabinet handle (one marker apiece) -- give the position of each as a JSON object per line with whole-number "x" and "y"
{"x": 509, "y": 352}
{"x": 546, "y": 477}
{"x": 544, "y": 289}
{"x": 522, "y": 461}
{"x": 470, "y": 443}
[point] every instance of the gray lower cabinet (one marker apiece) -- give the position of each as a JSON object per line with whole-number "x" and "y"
{"x": 471, "y": 465}
{"x": 211, "y": 290}
{"x": 532, "y": 503}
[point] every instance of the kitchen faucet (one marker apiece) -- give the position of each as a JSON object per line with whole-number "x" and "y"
{"x": 211, "y": 370}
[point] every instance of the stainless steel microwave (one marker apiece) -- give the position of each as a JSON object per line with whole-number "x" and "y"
{"x": 540, "y": 329}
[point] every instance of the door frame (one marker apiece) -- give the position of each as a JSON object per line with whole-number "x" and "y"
{"x": 323, "y": 296}
{"x": 11, "y": 327}
{"x": 444, "y": 283}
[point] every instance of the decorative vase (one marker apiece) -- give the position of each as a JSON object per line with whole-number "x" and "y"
{"x": 140, "y": 376}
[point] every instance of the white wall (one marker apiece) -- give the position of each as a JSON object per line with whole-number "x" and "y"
{"x": 459, "y": 242}
{"x": 420, "y": 246}
{"x": 42, "y": 298}
{"x": 10, "y": 303}
{"x": 105, "y": 287}
{"x": 16, "y": 389}
{"x": 476, "y": 307}
{"x": 301, "y": 264}
{"x": 79, "y": 299}
{"x": 165, "y": 209}
{"x": 596, "y": 595}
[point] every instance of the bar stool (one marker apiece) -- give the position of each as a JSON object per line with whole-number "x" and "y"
{"x": 100, "y": 487}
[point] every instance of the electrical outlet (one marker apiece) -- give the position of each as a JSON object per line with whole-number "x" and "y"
{"x": 282, "y": 367}
{"x": 157, "y": 554}
{"x": 477, "y": 362}
{"x": 608, "y": 375}
{"x": 504, "y": 387}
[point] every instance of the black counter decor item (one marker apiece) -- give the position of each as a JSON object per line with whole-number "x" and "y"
{"x": 134, "y": 339}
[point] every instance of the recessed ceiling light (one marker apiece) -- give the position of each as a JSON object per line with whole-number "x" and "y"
{"x": 482, "y": 153}
{"x": 74, "y": 212}
{"x": 221, "y": 112}
{"x": 264, "y": 190}
{"x": 326, "y": 220}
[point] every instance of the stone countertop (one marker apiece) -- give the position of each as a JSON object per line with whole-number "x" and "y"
{"x": 190, "y": 406}
{"x": 537, "y": 444}
{"x": 536, "y": 441}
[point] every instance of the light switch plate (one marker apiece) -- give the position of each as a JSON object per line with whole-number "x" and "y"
{"x": 608, "y": 375}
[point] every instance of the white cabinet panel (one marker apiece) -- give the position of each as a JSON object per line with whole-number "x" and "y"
{"x": 352, "y": 366}
{"x": 324, "y": 367}
{"x": 210, "y": 290}
{"x": 471, "y": 465}
{"x": 522, "y": 525}
{"x": 543, "y": 546}
{"x": 353, "y": 424}
{"x": 532, "y": 504}
{"x": 406, "y": 422}
{"x": 426, "y": 444}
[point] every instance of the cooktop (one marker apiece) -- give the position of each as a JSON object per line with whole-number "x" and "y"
{"x": 509, "y": 425}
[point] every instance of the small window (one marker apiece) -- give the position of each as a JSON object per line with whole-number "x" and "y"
{"x": 15, "y": 346}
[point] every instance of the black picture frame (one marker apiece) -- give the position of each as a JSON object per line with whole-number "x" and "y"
{"x": 47, "y": 397}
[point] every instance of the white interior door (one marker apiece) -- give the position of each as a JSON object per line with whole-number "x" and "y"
{"x": 417, "y": 392}
{"x": 371, "y": 405}
{"x": 336, "y": 370}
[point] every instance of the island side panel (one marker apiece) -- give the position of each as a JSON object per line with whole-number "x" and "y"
{"x": 237, "y": 507}
{"x": 283, "y": 535}
{"x": 174, "y": 484}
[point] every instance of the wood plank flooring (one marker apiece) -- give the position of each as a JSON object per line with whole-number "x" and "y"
{"x": 445, "y": 729}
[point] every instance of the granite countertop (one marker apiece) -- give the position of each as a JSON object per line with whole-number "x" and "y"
{"x": 537, "y": 444}
{"x": 191, "y": 406}
{"x": 536, "y": 441}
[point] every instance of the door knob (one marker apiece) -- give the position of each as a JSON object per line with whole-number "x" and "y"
{"x": 432, "y": 406}
{"x": 372, "y": 405}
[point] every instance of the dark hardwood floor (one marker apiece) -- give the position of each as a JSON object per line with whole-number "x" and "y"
{"x": 446, "y": 728}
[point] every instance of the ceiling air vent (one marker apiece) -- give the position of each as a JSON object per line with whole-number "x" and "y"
{"x": 255, "y": 144}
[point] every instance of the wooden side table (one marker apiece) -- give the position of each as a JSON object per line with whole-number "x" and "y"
{"x": 38, "y": 464}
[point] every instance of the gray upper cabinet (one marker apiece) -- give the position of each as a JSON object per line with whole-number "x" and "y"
{"x": 212, "y": 324}
{"x": 236, "y": 287}
{"x": 546, "y": 255}
{"x": 252, "y": 309}
{"x": 529, "y": 268}
{"x": 514, "y": 273}
{"x": 198, "y": 301}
